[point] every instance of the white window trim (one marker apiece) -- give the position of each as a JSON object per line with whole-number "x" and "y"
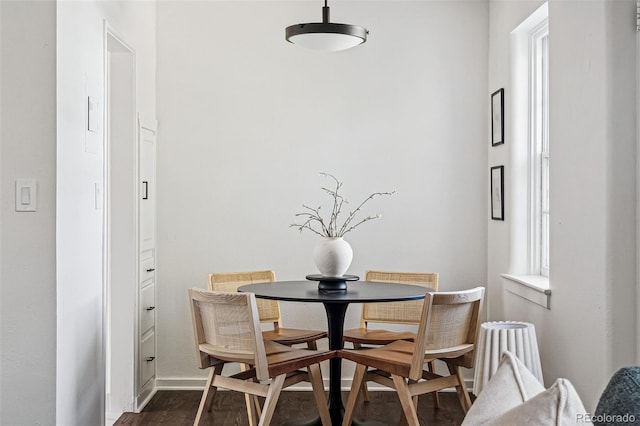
{"x": 538, "y": 135}
{"x": 534, "y": 288}
{"x": 520, "y": 280}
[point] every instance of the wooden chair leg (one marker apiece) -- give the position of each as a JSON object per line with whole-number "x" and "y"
{"x": 272, "y": 399}
{"x": 461, "y": 389}
{"x": 403, "y": 419}
{"x": 408, "y": 408}
{"x": 414, "y": 399}
{"x": 256, "y": 403}
{"x": 203, "y": 400}
{"x": 252, "y": 403}
{"x": 315, "y": 377}
{"x": 431, "y": 367}
{"x": 353, "y": 394}
{"x": 364, "y": 390}
{"x": 312, "y": 345}
{"x": 251, "y": 412}
{"x": 208, "y": 394}
{"x": 217, "y": 370}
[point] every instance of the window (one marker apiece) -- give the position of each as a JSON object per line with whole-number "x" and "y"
{"x": 528, "y": 275}
{"x": 539, "y": 149}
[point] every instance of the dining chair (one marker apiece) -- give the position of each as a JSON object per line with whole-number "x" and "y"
{"x": 448, "y": 329}
{"x": 391, "y": 313}
{"x": 269, "y": 310}
{"x": 226, "y": 328}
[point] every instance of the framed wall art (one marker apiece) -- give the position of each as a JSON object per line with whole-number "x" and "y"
{"x": 497, "y": 117}
{"x": 497, "y": 193}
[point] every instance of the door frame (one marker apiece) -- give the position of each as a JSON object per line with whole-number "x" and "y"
{"x": 119, "y": 397}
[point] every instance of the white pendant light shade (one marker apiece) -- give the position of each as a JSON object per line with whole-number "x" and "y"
{"x": 326, "y": 36}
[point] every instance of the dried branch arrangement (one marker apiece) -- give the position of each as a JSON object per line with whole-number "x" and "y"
{"x": 314, "y": 222}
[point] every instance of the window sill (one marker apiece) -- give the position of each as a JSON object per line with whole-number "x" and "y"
{"x": 534, "y": 288}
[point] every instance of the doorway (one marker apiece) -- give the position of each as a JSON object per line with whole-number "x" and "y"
{"x": 120, "y": 248}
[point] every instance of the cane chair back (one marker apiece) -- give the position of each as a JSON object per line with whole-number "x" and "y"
{"x": 269, "y": 310}
{"x": 226, "y": 328}
{"x": 449, "y": 328}
{"x": 407, "y": 312}
{"x": 447, "y": 331}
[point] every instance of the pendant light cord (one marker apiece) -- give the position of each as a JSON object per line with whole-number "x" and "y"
{"x": 325, "y": 13}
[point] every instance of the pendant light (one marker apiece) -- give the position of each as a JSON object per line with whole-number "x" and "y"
{"x": 326, "y": 36}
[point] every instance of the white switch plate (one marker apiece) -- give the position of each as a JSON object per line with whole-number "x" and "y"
{"x": 26, "y": 195}
{"x": 99, "y": 197}
{"x": 92, "y": 114}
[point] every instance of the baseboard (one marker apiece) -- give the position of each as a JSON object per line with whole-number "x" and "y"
{"x": 143, "y": 400}
{"x": 111, "y": 418}
{"x": 174, "y": 383}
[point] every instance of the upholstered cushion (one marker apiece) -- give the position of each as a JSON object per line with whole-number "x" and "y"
{"x": 558, "y": 405}
{"x": 620, "y": 401}
{"x": 511, "y": 385}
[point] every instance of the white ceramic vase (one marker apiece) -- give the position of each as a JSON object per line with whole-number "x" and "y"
{"x": 333, "y": 256}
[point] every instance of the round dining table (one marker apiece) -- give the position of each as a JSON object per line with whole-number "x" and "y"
{"x": 335, "y": 304}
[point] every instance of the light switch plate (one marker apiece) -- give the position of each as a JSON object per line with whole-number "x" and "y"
{"x": 99, "y": 197}
{"x": 92, "y": 114}
{"x": 26, "y": 195}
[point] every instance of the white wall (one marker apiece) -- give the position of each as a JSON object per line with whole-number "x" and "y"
{"x": 80, "y": 26}
{"x": 622, "y": 183}
{"x": 590, "y": 330}
{"x": 247, "y": 121}
{"x": 27, "y": 261}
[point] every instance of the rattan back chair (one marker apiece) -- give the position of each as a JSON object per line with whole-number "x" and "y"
{"x": 391, "y": 313}
{"x": 448, "y": 330}
{"x": 226, "y": 328}
{"x": 269, "y": 310}
{"x": 396, "y": 312}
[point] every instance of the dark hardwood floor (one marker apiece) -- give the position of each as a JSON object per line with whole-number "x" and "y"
{"x": 179, "y": 408}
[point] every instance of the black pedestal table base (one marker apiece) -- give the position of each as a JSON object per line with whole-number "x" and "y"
{"x": 335, "y": 323}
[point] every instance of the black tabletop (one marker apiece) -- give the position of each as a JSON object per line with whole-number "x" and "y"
{"x": 357, "y": 292}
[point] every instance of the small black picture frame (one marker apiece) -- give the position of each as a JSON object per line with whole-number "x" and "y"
{"x": 497, "y": 193}
{"x": 497, "y": 117}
